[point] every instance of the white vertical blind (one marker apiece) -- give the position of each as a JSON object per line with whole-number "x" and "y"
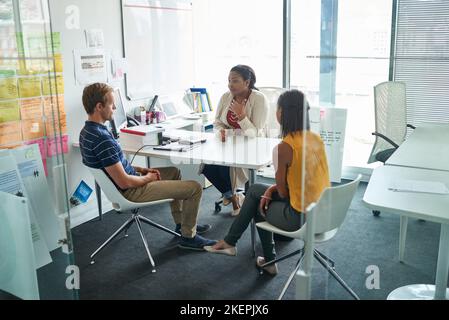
{"x": 422, "y": 58}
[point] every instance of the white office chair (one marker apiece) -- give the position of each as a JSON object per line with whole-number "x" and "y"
{"x": 121, "y": 204}
{"x": 390, "y": 106}
{"x": 329, "y": 213}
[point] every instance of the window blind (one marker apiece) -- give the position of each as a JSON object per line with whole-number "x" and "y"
{"x": 422, "y": 58}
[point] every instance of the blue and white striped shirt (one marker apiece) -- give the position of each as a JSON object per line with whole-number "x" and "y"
{"x": 100, "y": 150}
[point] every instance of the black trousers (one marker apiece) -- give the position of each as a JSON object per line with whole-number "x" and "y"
{"x": 220, "y": 177}
{"x": 279, "y": 213}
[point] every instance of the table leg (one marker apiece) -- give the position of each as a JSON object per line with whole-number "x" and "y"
{"x": 252, "y": 180}
{"x": 148, "y": 162}
{"x": 442, "y": 264}
{"x": 98, "y": 194}
{"x": 402, "y": 237}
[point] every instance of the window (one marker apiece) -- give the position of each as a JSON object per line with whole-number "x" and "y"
{"x": 359, "y": 32}
{"x": 231, "y": 32}
{"x": 422, "y": 59}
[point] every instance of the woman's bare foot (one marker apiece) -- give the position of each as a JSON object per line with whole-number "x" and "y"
{"x": 235, "y": 202}
{"x": 221, "y": 245}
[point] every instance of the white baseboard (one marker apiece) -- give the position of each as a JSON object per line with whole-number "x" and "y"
{"x": 88, "y": 211}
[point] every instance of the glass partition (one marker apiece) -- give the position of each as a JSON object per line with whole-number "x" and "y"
{"x": 38, "y": 254}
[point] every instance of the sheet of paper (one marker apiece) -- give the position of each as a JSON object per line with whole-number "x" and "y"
{"x": 94, "y": 38}
{"x": 8, "y": 88}
{"x": 31, "y": 109}
{"x": 42, "y": 147}
{"x": 404, "y": 185}
{"x": 9, "y": 111}
{"x": 11, "y": 182}
{"x": 10, "y": 133}
{"x": 119, "y": 67}
{"x": 17, "y": 259}
{"x": 90, "y": 66}
{"x": 29, "y": 87}
{"x": 33, "y": 129}
{"x": 32, "y": 172}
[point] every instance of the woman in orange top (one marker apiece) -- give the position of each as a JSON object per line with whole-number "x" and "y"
{"x": 298, "y": 183}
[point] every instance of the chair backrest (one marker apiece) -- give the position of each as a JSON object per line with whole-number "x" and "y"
{"x": 119, "y": 202}
{"x": 272, "y": 94}
{"x": 390, "y": 113}
{"x": 331, "y": 209}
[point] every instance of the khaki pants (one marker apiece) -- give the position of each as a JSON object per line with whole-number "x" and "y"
{"x": 187, "y": 195}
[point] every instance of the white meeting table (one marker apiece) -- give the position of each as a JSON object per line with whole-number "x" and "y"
{"x": 426, "y": 206}
{"x": 427, "y": 148}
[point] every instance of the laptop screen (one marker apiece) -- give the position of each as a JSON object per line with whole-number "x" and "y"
{"x": 169, "y": 109}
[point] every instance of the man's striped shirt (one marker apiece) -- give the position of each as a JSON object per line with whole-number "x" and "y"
{"x": 100, "y": 150}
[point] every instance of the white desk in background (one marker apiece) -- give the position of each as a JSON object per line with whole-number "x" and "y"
{"x": 426, "y": 206}
{"x": 427, "y": 147}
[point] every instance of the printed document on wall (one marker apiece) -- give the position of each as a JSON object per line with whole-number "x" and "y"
{"x": 11, "y": 182}
{"x": 32, "y": 172}
{"x": 90, "y": 66}
{"x": 17, "y": 260}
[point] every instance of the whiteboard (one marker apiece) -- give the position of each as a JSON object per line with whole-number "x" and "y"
{"x": 330, "y": 124}
{"x": 158, "y": 44}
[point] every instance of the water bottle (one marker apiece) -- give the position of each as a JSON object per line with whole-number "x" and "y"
{"x": 143, "y": 116}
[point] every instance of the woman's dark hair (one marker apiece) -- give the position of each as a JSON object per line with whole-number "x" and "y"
{"x": 295, "y": 112}
{"x": 247, "y": 74}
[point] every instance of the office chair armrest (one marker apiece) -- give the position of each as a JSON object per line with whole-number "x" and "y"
{"x": 380, "y": 135}
{"x": 411, "y": 126}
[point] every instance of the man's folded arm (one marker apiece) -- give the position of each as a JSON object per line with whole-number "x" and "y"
{"x": 124, "y": 180}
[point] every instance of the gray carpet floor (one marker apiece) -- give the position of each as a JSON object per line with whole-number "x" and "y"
{"x": 122, "y": 270}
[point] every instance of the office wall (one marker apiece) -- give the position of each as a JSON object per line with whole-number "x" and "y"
{"x": 93, "y": 14}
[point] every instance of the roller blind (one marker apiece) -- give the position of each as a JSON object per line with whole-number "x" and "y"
{"x": 422, "y": 58}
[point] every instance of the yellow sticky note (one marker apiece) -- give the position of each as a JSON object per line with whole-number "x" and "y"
{"x": 29, "y": 87}
{"x": 9, "y": 111}
{"x": 52, "y": 87}
{"x": 8, "y": 88}
{"x": 58, "y": 63}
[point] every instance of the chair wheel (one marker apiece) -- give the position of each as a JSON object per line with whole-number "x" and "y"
{"x": 376, "y": 213}
{"x": 92, "y": 262}
{"x": 217, "y": 208}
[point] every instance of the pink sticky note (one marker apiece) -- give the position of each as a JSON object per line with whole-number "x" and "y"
{"x": 44, "y": 162}
{"x": 322, "y": 114}
{"x": 54, "y": 146}
{"x": 41, "y": 144}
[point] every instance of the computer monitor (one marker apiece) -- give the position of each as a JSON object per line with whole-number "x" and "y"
{"x": 119, "y": 113}
{"x": 120, "y": 118}
{"x": 173, "y": 105}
